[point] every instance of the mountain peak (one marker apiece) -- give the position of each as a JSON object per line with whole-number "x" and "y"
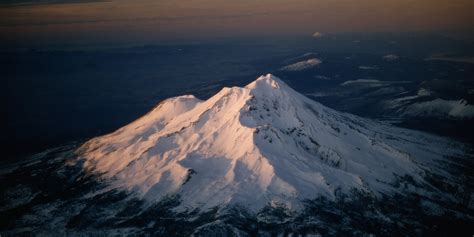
{"x": 260, "y": 144}
{"x": 266, "y": 81}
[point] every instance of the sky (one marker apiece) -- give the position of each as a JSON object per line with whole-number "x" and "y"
{"x": 145, "y": 21}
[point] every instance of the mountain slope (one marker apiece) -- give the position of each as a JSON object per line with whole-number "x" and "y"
{"x": 260, "y": 144}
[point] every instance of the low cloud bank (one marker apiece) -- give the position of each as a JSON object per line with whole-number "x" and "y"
{"x": 302, "y": 65}
{"x": 317, "y": 35}
{"x": 368, "y": 67}
{"x": 440, "y": 107}
{"x": 363, "y": 82}
{"x": 391, "y": 57}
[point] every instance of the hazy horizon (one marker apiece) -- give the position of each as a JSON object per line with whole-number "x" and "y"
{"x": 30, "y": 23}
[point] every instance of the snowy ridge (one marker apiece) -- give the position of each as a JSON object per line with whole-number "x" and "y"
{"x": 260, "y": 144}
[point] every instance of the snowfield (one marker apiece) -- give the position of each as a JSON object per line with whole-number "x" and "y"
{"x": 261, "y": 144}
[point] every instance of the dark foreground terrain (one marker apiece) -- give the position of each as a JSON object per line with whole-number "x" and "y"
{"x": 51, "y": 195}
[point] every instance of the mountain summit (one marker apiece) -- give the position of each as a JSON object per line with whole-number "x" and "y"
{"x": 261, "y": 144}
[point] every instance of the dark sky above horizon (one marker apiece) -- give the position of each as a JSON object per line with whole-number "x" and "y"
{"x": 119, "y": 21}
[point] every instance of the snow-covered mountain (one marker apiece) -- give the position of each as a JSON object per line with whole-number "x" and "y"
{"x": 261, "y": 144}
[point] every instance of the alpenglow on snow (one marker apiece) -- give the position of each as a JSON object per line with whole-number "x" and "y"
{"x": 260, "y": 144}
